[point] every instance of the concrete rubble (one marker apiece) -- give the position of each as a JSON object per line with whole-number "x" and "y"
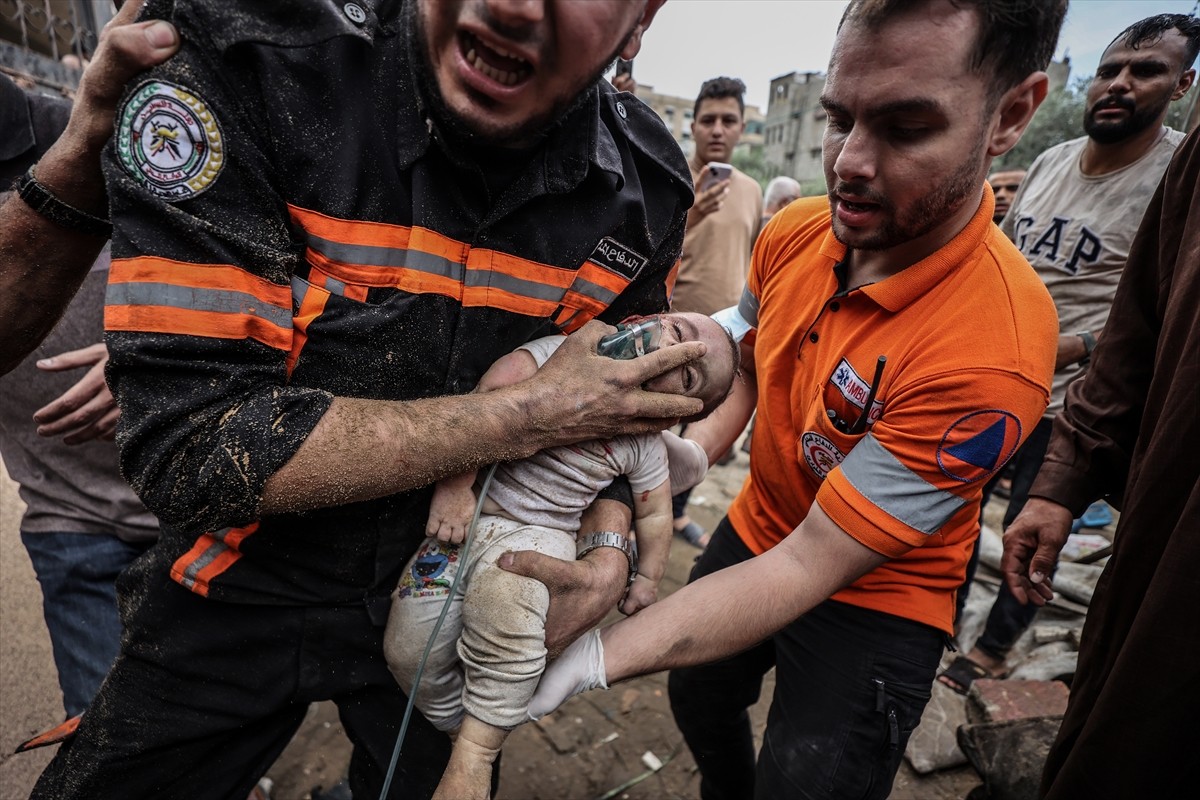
{"x": 1004, "y": 728}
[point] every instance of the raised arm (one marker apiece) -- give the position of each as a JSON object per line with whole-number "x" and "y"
{"x": 43, "y": 263}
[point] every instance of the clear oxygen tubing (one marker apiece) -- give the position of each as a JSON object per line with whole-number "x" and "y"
{"x": 437, "y": 627}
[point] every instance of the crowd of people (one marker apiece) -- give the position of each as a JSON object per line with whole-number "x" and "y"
{"x": 348, "y": 261}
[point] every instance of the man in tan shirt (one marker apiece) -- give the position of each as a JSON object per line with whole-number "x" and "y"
{"x": 721, "y": 227}
{"x": 725, "y": 218}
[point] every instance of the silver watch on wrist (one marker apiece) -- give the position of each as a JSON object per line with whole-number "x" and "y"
{"x": 591, "y": 541}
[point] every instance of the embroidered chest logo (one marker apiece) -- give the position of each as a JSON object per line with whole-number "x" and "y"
{"x": 855, "y": 389}
{"x": 614, "y": 256}
{"x": 169, "y": 141}
{"x": 978, "y": 444}
{"x": 821, "y": 454}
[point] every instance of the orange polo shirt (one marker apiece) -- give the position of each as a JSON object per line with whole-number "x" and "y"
{"x": 969, "y": 335}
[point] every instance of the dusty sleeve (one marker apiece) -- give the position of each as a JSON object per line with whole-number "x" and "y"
{"x": 199, "y": 306}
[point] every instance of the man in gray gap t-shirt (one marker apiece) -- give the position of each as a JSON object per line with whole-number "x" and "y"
{"x": 1074, "y": 219}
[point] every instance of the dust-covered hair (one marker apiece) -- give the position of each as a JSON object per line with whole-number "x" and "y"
{"x": 1151, "y": 30}
{"x": 1016, "y": 37}
{"x": 718, "y": 88}
{"x": 717, "y": 397}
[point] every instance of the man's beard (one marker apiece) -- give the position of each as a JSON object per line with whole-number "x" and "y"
{"x": 1120, "y": 130}
{"x": 929, "y": 211}
{"x": 455, "y": 127}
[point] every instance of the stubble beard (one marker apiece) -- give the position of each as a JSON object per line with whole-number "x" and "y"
{"x": 932, "y": 209}
{"x": 457, "y": 127}
{"x": 1113, "y": 132}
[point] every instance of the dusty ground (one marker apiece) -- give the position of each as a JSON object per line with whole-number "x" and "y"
{"x": 594, "y": 748}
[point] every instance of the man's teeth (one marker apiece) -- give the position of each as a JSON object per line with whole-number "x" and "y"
{"x": 498, "y": 75}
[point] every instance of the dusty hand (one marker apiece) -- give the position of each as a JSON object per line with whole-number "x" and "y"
{"x": 579, "y": 395}
{"x": 581, "y": 592}
{"x": 643, "y": 593}
{"x": 450, "y": 513}
{"x": 578, "y": 669}
{"x": 1031, "y": 547}
{"x": 87, "y": 410}
{"x": 687, "y": 462}
{"x": 125, "y": 49}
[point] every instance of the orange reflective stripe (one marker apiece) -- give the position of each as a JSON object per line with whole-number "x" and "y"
{"x": 195, "y": 323}
{"x": 311, "y": 306}
{"x": 151, "y": 269}
{"x": 211, "y": 555}
{"x": 420, "y": 261}
{"x": 672, "y": 276}
{"x": 56, "y": 735}
{"x": 158, "y": 295}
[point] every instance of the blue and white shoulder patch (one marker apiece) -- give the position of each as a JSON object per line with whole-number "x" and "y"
{"x": 169, "y": 141}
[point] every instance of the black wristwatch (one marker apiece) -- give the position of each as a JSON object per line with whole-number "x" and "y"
{"x": 596, "y": 539}
{"x": 1089, "y": 344}
{"x": 43, "y": 201}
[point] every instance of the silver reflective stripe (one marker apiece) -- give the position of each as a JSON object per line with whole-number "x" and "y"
{"x": 748, "y": 307}
{"x": 207, "y": 557}
{"x": 894, "y": 488}
{"x": 524, "y": 288}
{"x": 372, "y": 256}
{"x": 594, "y": 291}
{"x": 298, "y": 290}
{"x": 224, "y": 301}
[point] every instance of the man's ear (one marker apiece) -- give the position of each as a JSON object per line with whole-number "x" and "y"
{"x": 1014, "y": 111}
{"x": 634, "y": 44}
{"x": 1185, "y": 82}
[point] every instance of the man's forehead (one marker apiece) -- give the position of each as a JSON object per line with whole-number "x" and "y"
{"x": 719, "y": 105}
{"x": 923, "y": 48}
{"x": 1007, "y": 176}
{"x": 1170, "y": 47}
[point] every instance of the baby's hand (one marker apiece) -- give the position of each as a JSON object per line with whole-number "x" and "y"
{"x": 450, "y": 513}
{"x": 642, "y": 593}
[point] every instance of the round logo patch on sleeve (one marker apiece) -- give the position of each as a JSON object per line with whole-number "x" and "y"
{"x": 169, "y": 141}
{"x": 821, "y": 454}
{"x": 977, "y": 444}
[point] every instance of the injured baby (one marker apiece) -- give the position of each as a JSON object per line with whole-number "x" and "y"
{"x": 489, "y": 654}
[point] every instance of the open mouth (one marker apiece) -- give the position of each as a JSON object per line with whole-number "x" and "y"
{"x": 850, "y": 205}
{"x": 503, "y": 67}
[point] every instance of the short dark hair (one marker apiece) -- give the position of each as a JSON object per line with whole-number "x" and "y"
{"x": 1016, "y": 37}
{"x": 1151, "y": 30}
{"x": 718, "y": 88}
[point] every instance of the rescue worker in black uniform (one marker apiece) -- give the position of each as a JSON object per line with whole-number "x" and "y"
{"x": 329, "y": 219}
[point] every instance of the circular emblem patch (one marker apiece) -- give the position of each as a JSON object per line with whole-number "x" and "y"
{"x": 169, "y": 141}
{"x": 820, "y": 453}
{"x": 978, "y": 444}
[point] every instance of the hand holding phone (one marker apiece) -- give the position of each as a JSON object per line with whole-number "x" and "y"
{"x": 714, "y": 173}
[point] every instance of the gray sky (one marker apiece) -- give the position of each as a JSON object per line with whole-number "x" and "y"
{"x": 756, "y": 40}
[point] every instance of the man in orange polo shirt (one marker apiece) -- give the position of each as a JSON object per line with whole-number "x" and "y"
{"x": 903, "y": 350}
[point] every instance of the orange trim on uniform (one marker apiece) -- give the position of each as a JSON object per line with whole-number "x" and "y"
{"x": 227, "y": 554}
{"x": 152, "y": 269}
{"x": 56, "y": 735}
{"x": 212, "y": 324}
{"x": 240, "y": 322}
{"x": 311, "y": 307}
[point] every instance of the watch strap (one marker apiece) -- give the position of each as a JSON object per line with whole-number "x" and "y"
{"x": 1089, "y": 344}
{"x": 591, "y": 541}
{"x": 44, "y": 202}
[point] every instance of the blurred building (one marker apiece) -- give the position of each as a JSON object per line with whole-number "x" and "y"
{"x": 44, "y": 42}
{"x": 676, "y": 113}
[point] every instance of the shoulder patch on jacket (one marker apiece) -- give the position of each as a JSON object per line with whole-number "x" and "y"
{"x": 169, "y": 141}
